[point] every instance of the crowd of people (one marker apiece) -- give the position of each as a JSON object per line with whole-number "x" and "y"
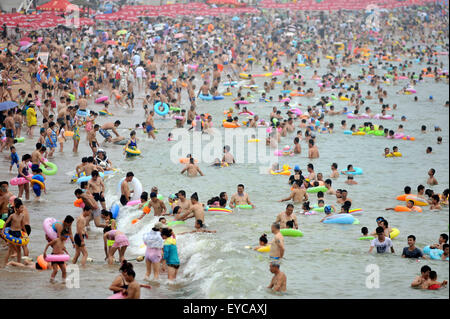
{"x": 98, "y": 71}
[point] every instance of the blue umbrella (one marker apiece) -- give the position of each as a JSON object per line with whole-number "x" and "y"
{"x": 7, "y": 105}
{"x": 235, "y": 19}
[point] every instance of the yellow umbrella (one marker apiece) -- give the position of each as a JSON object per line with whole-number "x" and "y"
{"x": 120, "y": 32}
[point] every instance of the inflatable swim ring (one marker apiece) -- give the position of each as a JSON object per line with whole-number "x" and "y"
{"x": 358, "y": 171}
{"x": 290, "y": 232}
{"x": 158, "y": 111}
{"x": 22, "y": 241}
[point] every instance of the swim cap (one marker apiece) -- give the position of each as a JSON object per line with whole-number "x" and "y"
{"x": 327, "y": 209}
{"x": 296, "y": 168}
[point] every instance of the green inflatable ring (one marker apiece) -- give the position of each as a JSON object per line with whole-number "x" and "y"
{"x": 176, "y": 222}
{"x": 20, "y": 139}
{"x": 366, "y": 238}
{"x": 53, "y": 169}
{"x": 2, "y": 223}
{"x": 290, "y": 232}
{"x": 316, "y": 189}
{"x": 244, "y": 206}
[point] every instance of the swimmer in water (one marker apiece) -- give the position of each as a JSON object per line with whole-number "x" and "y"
{"x": 199, "y": 228}
{"x": 431, "y": 179}
{"x": 432, "y": 283}
{"x": 279, "y": 279}
{"x": 350, "y": 180}
{"x": 262, "y": 242}
{"x": 409, "y": 204}
{"x": 192, "y": 169}
{"x": 240, "y": 198}
{"x": 443, "y": 239}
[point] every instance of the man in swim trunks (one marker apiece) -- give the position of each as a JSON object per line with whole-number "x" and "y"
{"x": 37, "y": 157}
{"x": 150, "y": 125}
{"x": 286, "y": 216}
{"x": 97, "y": 188}
{"x": 196, "y": 210}
{"x": 159, "y": 208}
{"x": 110, "y": 126}
{"x": 277, "y": 243}
{"x": 89, "y": 200}
{"x": 125, "y": 189}
{"x": 278, "y": 282}
{"x": 92, "y": 139}
{"x": 80, "y": 235}
{"x": 240, "y": 198}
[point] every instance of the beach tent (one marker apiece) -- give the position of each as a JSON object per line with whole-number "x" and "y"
{"x": 57, "y": 5}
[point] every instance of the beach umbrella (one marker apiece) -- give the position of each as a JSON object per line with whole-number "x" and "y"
{"x": 7, "y": 105}
{"x": 178, "y": 35}
{"x": 183, "y": 41}
{"x": 235, "y": 18}
{"x": 25, "y": 47}
{"x": 111, "y": 42}
{"x": 24, "y": 43}
{"x": 120, "y": 32}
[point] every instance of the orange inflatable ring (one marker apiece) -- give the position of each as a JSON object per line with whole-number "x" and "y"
{"x": 229, "y": 125}
{"x": 186, "y": 161}
{"x": 41, "y": 262}
{"x": 400, "y": 208}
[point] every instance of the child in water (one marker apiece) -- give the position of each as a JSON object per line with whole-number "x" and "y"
{"x": 58, "y": 249}
{"x": 36, "y": 187}
{"x": 262, "y": 242}
{"x": 365, "y": 231}
{"x": 132, "y": 142}
{"x": 14, "y": 158}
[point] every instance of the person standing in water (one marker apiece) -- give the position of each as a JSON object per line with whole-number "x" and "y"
{"x": 240, "y": 198}
{"x": 125, "y": 189}
{"x": 277, "y": 244}
{"x": 279, "y": 279}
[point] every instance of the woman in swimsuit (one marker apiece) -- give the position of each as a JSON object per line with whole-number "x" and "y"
{"x": 23, "y": 172}
{"x": 120, "y": 284}
{"x": 76, "y": 135}
{"x": 120, "y": 243}
{"x": 51, "y": 139}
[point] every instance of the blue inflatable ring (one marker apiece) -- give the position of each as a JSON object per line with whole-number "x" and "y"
{"x": 158, "y": 111}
